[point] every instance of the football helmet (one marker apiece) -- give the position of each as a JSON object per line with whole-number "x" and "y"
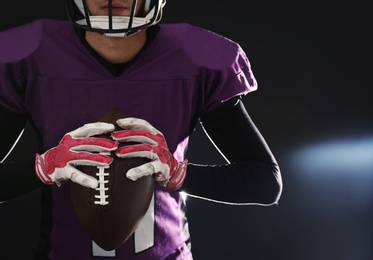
{"x": 111, "y": 25}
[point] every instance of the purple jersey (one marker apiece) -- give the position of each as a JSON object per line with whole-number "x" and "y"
{"x": 48, "y": 74}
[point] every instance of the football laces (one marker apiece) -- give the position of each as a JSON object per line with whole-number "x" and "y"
{"x": 102, "y": 196}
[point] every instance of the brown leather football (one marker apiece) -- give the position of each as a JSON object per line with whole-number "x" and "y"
{"x": 112, "y": 212}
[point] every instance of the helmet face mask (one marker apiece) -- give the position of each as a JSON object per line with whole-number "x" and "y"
{"x": 111, "y": 25}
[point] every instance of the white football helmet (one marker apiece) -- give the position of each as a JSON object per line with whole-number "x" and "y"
{"x": 115, "y": 26}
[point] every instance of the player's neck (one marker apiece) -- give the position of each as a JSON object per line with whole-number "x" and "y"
{"x": 117, "y": 49}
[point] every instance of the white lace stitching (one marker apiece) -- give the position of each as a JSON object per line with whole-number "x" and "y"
{"x": 102, "y": 196}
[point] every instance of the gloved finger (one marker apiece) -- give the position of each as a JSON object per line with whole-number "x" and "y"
{"x": 81, "y": 178}
{"x": 91, "y": 159}
{"x": 144, "y": 170}
{"x": 93, "y": 144}
{"x": 138, "y": 150}
{"x": 92, "y": 129}
{"x": 139, "y": 136}
{"x": 136, "y": 123}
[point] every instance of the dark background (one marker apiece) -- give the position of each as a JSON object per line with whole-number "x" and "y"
{"x": 313, "y": 63}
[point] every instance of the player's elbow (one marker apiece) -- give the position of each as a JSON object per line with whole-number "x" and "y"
{"x": 261, "y": 186}
{"x": 273, "y": 187}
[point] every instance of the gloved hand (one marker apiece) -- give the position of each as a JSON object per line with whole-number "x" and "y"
{"x": 57, "y": 164}
{"x": 167, "y": 170}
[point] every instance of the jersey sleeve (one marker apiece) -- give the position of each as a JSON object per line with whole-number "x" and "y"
{"x": 236, "y": 80}
{"x": 11, "y": 95}
{"x": 224, "y": 68}
{"x": 16, "y": 46}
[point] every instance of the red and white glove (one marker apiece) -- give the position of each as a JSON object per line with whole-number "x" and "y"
{"x": 76, "y": 148}
{"x": 167, "y": 170}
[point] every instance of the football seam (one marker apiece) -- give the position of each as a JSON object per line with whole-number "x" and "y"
{"x": 101, "y": 198}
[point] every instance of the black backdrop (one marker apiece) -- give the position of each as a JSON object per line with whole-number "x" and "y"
{"x": 313, "y": 62}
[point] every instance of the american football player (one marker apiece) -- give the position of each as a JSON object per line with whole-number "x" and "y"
{"x": 59, "y": 75}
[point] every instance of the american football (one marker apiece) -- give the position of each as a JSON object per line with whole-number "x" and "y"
{"x": 111, "y": 212}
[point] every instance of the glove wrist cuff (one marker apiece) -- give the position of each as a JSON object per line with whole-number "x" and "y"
{"x": 177, "y": 179}
{"x": 41, "y": 170}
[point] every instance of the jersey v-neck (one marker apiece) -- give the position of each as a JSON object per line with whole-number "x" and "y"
{"x": 116, "y": 69}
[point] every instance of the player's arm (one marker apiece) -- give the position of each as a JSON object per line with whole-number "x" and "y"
{"x": 16, "y": 178}
{"x": 252, "y": 176}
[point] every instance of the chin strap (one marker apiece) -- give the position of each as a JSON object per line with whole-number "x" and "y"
{"x": 118, "y": 23}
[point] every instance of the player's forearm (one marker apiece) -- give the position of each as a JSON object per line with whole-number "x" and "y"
{"x": 10, "y": 130}
{"x": 17, "y": 179}
{"x": 249, "y": 182}
{"x": 252, "y": 176}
